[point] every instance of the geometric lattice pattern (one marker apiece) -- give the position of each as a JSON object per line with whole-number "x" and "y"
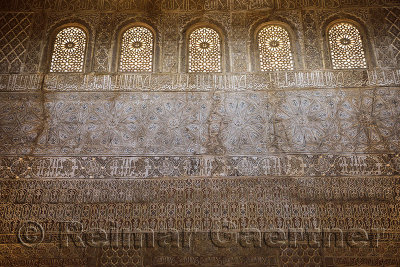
{"x": 274, "y": 49}
{"x": 14, "y": 33}
{"x": 117, "y": 256}
{"x": 204, "y": 51}
{"x": 136, "y": 50}
{"x": 393, "y": 17}
{"x": 69, "y": 50}
{"x": 346, "y": 46}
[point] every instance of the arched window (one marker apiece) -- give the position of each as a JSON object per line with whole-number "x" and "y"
{"x": 69, "y": 50}
{"x": 136, "y": 50}
{"x": 274, "y": 48}
{"x": 346, "y": 46}
{"x": 205, "y": 50}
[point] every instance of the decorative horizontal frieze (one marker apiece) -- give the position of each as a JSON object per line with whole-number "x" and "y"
{"x": 203, "y": 203}
{"x": 20, "y": 82}
{"x": 186, "y": 189}
{"x": 201, "y": 82}
{"x": 186, "y": 5}
{"x": 105, "y": 167}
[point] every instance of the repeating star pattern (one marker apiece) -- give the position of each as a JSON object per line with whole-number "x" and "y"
{"x": 130, "y": 124}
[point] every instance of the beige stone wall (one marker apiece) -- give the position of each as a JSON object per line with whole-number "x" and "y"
{"x": 178, "y": 159}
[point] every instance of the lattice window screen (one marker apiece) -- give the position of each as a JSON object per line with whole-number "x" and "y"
{"x": 69, "y": 50}
{"x": 204, "y": 51}
{"x": 346, "y": 47}
{"x": 274, "y": 49}
{"x": 137, "y": 50}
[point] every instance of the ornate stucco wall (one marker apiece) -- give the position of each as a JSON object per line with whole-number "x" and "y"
{"x": 178, "y": 158}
